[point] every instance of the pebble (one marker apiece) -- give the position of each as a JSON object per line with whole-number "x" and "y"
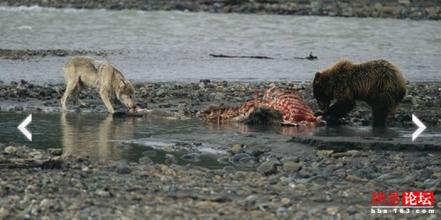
{"x": 150, "y": 153}
{"x": 192, "y": 157}
{"x": 123, "y": 168}
{"x": 291, "y": 166}
{"x": 332, "y": 210}
{"x": 46, "y": 204}
{"x": 10, "y": 150}
{"x": 170, "y": 159}
{"x": 3, "y": 213}
{"x": 285, "y": 201}
{"x": 145, "y": 160}
{"x": 242, "y": 159}
{"x": 236, "y": 148}
{"x": 251, "y": 200}
{"x": 353, "y": 178}
{"x": 102, "y": 193}
{"x": 305, "y": 172}
{"x": 56, "y": 151}
{"x": 37, "y": 155}
{"x": 267, "y": 168}
{"x": 351, "y": 210}
{"x": 282, "y": 212}
{"x": 223, "y": 160}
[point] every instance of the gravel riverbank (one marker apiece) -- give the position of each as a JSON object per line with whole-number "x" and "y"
{"x": 26, "y": 54}
{"x": 430, "y": 9}
{"x": 323, "y": 184}
{"x": 252, "y": 182}
{"x": 187, "y": 99}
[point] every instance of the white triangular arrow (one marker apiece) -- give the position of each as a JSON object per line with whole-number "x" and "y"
{"x": 22, "y": 127}
{"x": 421, "y": 127}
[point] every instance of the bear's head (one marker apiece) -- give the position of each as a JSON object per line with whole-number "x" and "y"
{"x": 322, "y": 91}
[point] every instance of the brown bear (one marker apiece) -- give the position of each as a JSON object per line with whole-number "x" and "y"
{"x": 379, "y": 83}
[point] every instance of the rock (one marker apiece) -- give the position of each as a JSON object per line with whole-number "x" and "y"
{"x": 10, "y": 150}
{"x": 267, "y": 168}
{"x": 37, "y": 155}
{"x": 205, "y": 81}
{"x": 102, "y": 193}
{"x": 228, "y": 169}
{"x": 56, "y": 151}
{"x": 282, "y": 212}
{"x": 291, "y": 166}
{"x": 251, "y": 200}
{"x": 219, "y": 96}
{"x": 3, "y": 213}
{"x": 305, "y": 172}
{"x": 223, "y": 160}
{"x": 150, "y": 153}
{"x": 192, "y": 157}
{"x": 404, "y": 2}
{"x": 348, "y": 153}
{"x": 170, "y": 159}
{"x": 46, "y": 204}
{"x": 324, "y": 153}
{"x": 378, "y": 6}
{"x": 236, "y": 148}
{"x": 123, "y": 168}
{"x": 160, "y": 92}
{"x": 353, "y": 178}
{"x": 145, "y": 160}
{"x": 247, "y": 162}
{"x": 351, "y": 210}
{"x": 285, "y": 201}
{"x": 332, "y": 210}
{"x": 242, "y": 159}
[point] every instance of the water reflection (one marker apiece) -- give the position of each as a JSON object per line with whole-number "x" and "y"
{"x": 245, "y": 128}
{"x": 86, "y": 136}
{"x": 100, "y": 136}
{"x": 364, "y": 132}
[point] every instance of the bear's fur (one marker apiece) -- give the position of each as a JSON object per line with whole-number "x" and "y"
{"x": 379, "y": 83}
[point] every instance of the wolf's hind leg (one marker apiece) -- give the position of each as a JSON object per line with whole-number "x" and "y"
{"x": 77, "y": 94}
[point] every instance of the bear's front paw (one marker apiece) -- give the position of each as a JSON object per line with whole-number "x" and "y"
{"x": 330, "y": 121}
{"x": 319, "y": 113}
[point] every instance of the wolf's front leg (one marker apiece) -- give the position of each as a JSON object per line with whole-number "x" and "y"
{"x": 70, "y": 88}
{"x": 104, "y": 93}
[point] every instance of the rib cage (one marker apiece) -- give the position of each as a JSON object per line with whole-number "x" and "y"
{"x": 288, "y": 103}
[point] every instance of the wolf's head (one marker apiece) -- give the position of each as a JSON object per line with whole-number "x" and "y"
{"x": 125, "y": 94}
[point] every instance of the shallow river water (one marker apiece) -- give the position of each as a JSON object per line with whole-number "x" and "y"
{"x": 175, "y": 46}
{"x": 100, "y": 136}
{"x": 164, "y": 46}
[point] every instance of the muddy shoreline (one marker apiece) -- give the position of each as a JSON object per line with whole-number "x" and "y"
{"x": 181, "y": 99}
{"x": 359, "y": 8}
{"x": 334, "y": 182}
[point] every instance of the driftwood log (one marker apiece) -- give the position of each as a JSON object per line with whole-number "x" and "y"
{"x": 309, "y": 57}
